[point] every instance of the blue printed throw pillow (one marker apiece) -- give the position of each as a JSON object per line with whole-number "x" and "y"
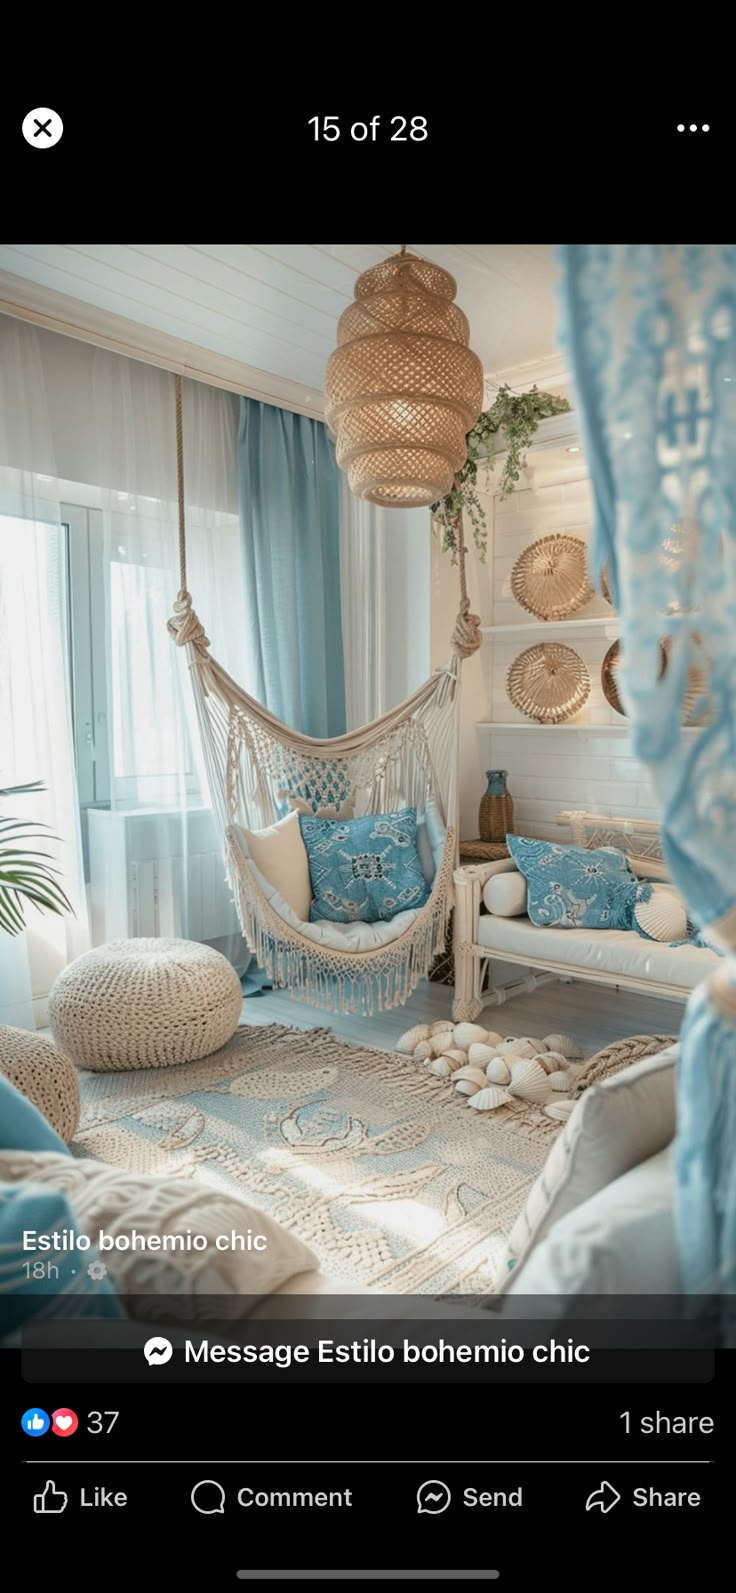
{"x": 573, "y": 888}
{"x": 364, "y": 869}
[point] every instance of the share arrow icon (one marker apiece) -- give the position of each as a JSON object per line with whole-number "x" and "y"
{"x": 603, "y": 1498}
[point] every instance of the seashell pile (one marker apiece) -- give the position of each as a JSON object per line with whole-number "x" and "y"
{"x": 493, "y": 1070}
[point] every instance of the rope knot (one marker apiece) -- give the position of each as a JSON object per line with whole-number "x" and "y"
{"x": 185, "y": 627}
{"x": 466, "y": 635}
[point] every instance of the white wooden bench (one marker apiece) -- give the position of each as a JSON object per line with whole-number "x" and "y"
{"x": 621, "y": 958}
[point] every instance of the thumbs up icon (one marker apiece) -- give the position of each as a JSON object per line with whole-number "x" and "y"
{"x": 51, "y": 1502}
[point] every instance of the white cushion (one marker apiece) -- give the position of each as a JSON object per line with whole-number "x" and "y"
{"x": 280, "y": 855}
{"x": 615, "y": 1125}
{"x": 108, "y": 1198}
{"x": 622, "y": 1241}
{"x": 505, "y": 894}
{"x": 615, "y": 951}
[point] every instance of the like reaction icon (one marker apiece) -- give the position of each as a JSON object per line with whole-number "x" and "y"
{"x": 64, "y": 1422}
{"x": 35, "y": 1422}
{"x": 51, "y": 1502}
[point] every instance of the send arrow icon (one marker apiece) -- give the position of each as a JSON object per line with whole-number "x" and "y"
{"x": 603, "y": 1499}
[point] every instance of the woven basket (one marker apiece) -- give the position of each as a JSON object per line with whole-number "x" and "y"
{"x": 550, "y": 578}
{"x": 403, "y": 389}
{"x": 697, "y": 683}
{"x": 548, "y": 682}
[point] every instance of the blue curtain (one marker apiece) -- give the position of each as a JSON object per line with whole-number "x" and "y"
{"x": 651, "y": 331}
{"x": 291, "y": 544}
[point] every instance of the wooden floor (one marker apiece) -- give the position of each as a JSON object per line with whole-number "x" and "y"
{"x": 592, "y": 1014}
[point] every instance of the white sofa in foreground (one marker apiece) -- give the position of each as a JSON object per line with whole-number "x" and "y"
{"x": 604, "y": 956}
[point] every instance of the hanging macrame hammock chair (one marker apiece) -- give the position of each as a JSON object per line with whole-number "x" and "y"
{"x": 257, "y": 768}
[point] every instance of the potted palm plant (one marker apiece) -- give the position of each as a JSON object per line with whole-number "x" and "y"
{"x": 27, "y": 874}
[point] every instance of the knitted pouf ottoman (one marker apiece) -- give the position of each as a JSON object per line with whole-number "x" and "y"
{"x": 43, "y": 1075}
{"x": 144, "y": 1004}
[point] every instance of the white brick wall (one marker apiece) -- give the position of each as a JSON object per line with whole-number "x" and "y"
{"x": 557, "y": 766}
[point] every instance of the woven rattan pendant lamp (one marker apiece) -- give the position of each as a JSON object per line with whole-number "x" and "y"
{"x": 403, "y": 389}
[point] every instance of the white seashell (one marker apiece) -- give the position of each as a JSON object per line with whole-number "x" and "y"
{"x": 413, "y": 1037}
{"x": 560, "y": 1110}
{"x": 470, "y": 1073}
{"x": 492, "y": 1038}
{"x": 516, "y": 1048}
{"x": 440, "y": 1066}
{"x": 529, "y": 1080}
{"x": 663, "y": 917}
{"x": 440, "y": 1026}
{"x": 560, "y": 1081}
{"x": 480, "y": 1055}
{"x": 466, "y": 1034}
{"x": 574, "y": 1070}
{"x": 498, "y": 1071}
{"x": 563, "y": 1043}
{"x": 423, "y": 1051}
{"x": 456, "y": 1058}
{"x": 552, "y": 1061}
{"x": 440, "y": 1043}
{"x": 490, "y": 1098}
{"x": 469, "y": 1080}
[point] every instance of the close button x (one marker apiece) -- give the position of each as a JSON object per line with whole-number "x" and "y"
{"x": 42, "y": 127}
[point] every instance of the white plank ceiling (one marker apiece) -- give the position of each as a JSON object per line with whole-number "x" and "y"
{"x": 274, "y": 306}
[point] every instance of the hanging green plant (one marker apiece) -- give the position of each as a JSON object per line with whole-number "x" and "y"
{"x": 517, "y": 415}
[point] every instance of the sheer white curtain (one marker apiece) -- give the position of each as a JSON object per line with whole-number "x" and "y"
{"x": 154, "y": 750}
{"x": 362, "y": 578}
{"x": 385, "y": 598}
{"x": 84, "y": 427}
{"x": 36, "y": 740}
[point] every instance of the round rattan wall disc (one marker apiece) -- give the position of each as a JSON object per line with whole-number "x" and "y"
{"x": 696, "y": 686}
{"x": 548, "y": 682}
{"x": 550, "y": 578}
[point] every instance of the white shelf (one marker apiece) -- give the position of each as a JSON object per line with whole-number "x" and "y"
{"x": 594, "y": 730}
{"x": 541, "y": 628}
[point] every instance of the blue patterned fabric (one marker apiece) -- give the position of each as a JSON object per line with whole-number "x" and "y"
{"x": 367, "y": 868}
{"x": 651, "y": 335}
{"x": 572, "y": 888}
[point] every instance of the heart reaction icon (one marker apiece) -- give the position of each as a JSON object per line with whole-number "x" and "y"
{"x": 64, "y": 1422}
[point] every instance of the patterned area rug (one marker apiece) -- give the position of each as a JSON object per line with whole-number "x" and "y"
{"x": 376, "y": 1164}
